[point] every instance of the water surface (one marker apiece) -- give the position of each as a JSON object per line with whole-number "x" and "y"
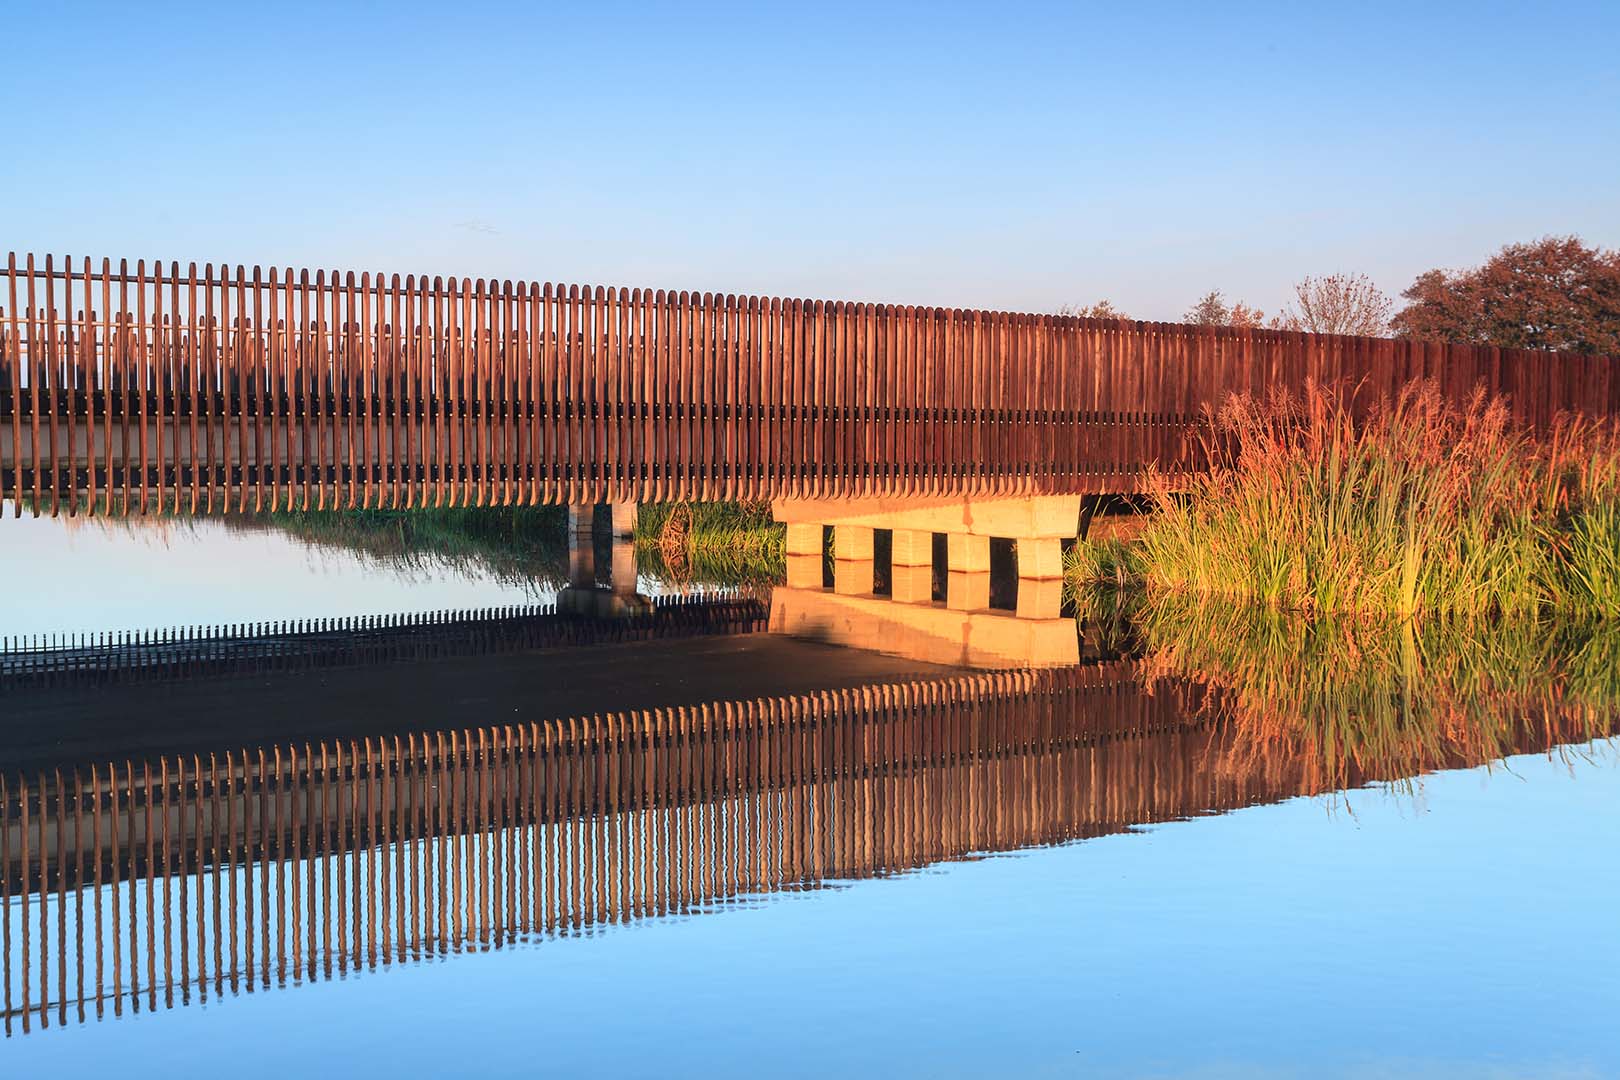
{"x": 710, "y": 852}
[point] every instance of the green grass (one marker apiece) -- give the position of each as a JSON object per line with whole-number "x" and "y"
{"x": 1107, "y": 562}
{"x": 720, "y": 543}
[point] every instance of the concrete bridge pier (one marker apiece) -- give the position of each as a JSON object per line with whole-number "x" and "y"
{"x": 965, "y": 629}
{"x": 583, "y": 596}
{"x": 911, "y": 566}
{"x": 1036, "y": 524}
{"x": 804, "y": 552}
{"x": 854, "y": 564}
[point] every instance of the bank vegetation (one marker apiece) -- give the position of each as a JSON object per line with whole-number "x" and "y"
{"x": 1413, "y": 505}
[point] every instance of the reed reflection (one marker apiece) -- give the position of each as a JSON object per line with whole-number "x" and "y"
{"x": 1353, "y": 700}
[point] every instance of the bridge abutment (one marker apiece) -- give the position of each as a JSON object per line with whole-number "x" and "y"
{"x": 962, "y": 627}
{"x": 1038, "y": 525}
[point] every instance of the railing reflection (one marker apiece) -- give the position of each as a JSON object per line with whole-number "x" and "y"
{"x": 131, "y": 886}
{"x": 297, "y": 645}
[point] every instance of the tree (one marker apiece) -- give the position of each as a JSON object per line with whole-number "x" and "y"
{"x": 1338, "y": 304}
{"x": 1213, "y": 310}
{"x": 1554, "y": 293}
{"x": 1242, "y": 314}
{"x": 1102, "y": 309}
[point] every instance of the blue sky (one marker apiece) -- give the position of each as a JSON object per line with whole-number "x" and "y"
{"x": 1019, "y": 156}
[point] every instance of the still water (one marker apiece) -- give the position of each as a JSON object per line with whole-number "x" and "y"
{"x": 539, "y": 844}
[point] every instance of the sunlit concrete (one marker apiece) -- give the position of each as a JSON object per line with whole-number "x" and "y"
{"x": 967, "y": 554}
{"x": 967, "y": 592}
{"x": 854, "y": 577}
{"x": 584, "y": 596}
{"x": 911, "y": 547}
{"x": 852, "y": 542}
{"x": 910, "y": 584}
{"x": 623, "y": 518}
{"x": 1040, "y": 598}
{"x": 804, "y": 571}
{"x": 1050, "y": 516}
{"x": 804, "y": 538}
{"x": 581, "y": 549}
{"x": 1040, "y": 557}
{"x": 925, "y": 632}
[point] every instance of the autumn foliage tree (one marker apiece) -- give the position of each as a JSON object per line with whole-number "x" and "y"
{"x": 1337, "y": 304}
{"x": 1213, "y": 310}
{"x": 1102, "y": 309}
{"x": 1241, "y": 314}
{"x": 1555, "y": 293}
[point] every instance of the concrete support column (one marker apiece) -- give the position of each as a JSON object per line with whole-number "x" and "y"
{"x": 967, "y": 592}
{"x": 581, "y": 553}
{"x": 1040, "y": 598}
{"x": 967, "y": 554}
{"x": 804, "y": 538}
{"x": 804, "y": 571}
{"x": 1020, "y": 515}
{"x": 912, "y": 547}
{"x": 624, "y": 566}
{"x": 583, "y": 596}
{"x": 911, "y": 584}
{"x": 624, "y": 519}
{"x": 854, "y": 577}
{"x": 1040, "y": 559}
{"x": 854, "y": 571}
{"x": 852, "y": 543}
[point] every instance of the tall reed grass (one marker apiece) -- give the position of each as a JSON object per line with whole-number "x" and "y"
{"x": 1412, "y": 505}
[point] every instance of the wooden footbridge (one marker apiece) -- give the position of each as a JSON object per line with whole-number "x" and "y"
{"x": 152, "y": 387}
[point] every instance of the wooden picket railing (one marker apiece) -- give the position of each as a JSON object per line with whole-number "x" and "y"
{"x": 151, "y": 388}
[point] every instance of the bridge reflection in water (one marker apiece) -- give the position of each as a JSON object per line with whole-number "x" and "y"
{"x": 143, "y": 866}
{"x": 129, "y": 886}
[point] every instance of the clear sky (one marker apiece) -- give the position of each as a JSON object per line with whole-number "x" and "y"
{"x": 1019, "y": 156}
